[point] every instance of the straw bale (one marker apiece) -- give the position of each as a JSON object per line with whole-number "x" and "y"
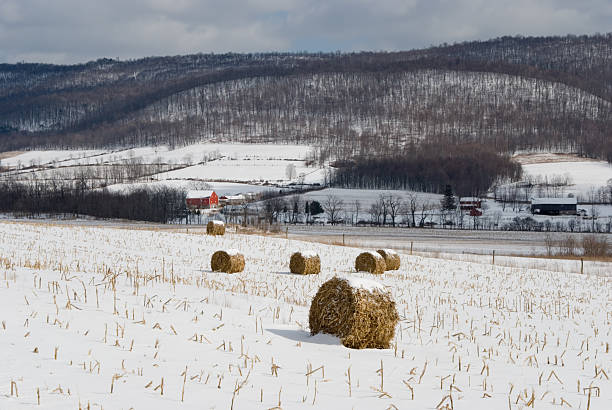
{"x": 215, "y": 228}
{"x": 370, "y": 262}
{"x": 392, "y": 259}
{"x": 227, "y": 261}
{"x": 305, "y": 263}
{"x": 362, "y": 318}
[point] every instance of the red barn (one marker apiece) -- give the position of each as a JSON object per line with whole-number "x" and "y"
{"x": 468, "y": 203}
{"x": 202, "y": 200}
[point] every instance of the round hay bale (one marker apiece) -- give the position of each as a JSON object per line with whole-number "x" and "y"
{"x": 392, "y": 259}
{"x": 359, "y": 311}
{"x": 305, "y": 263}
{"x": 215, "y": 228}
{"x": 230, "y": 261}
{"x": 370, "y": 262}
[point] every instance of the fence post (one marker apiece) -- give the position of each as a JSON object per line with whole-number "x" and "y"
{"x": 342, "y": 239}
{"x": 493, "y": 257}
{"x": 581, "y": 266}
{"x": 287, "y": 233}
{"x": 411, "y": 248}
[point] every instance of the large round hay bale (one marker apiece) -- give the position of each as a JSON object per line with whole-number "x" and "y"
{"x": 370, "y": 262}
{"x": 215, "y": 228}
{"x": 305, "y": 263}
{"x": 359, "y": 311}
{"x": 230, "y": 261}
{"x": 392, "y": 259}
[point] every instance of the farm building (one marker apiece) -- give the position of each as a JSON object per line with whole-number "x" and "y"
{"x": 554, "y": 206}
{"x": 468, "y": 203}
{"x": 202, "y": 200}
{"x": 232, "y": 199}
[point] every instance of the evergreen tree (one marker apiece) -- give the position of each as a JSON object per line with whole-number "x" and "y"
{"x": 448, "y": 202}
{"x": 315, "y": 208}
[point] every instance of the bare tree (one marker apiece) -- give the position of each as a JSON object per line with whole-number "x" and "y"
{"x": 295, "y": 205}
{"x": 356, "y": 207}
{"x": 334, "y": 208}
{"x": 290, "y": 171}
{"x": 394, "y": 204}
{"x": 245, "y": 212}
{"x": 426, "y": 208}
{"x": 594, "y": 210}
{"x": 412, "y": 205}
{"x": 374, "y": 212}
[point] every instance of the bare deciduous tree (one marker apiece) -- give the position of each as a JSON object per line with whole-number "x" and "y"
{"x": 334, "y": 208}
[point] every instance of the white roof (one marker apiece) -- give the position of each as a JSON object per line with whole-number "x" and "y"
{"x": 199, "y": 194}
{"x": 554, "y": 201}
{"x": 469, "y": 199}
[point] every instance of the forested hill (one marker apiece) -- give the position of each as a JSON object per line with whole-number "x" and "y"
{"x": 510, "y": 93}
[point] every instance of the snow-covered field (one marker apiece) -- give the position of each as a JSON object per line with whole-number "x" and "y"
{"x": 584, "y": 175}
{"x": 367, "y": 197}
{"x": 222, "y": 188}
{"x": 252, "y": 164}
{"x": 246, "y": 170}
{"x": 190, "y": 154}
{"x": 118, "y": 318}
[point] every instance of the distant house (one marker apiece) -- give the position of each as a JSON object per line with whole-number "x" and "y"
{"x": 232, "y": 199}
{"x": 554, "y": 206}
{"x": 468, "y": 203}
{"x": 202, "y": 200}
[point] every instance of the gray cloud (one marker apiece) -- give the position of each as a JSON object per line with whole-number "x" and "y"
{"x": 68, "y": 31}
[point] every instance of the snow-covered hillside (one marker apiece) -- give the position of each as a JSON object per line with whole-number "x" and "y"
{"x": 243, "y": 163}
{"x": 584, "y": 176}
{"x": 190, "y": 154}
{"x": 117, "y": 318}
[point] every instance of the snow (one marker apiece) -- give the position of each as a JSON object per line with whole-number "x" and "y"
{"x": 309, "y": 254}
{"x": 98, "y": 316}
{"x": 221, "y": 188}
{"x": 584, "y": 175}
{"x": 368, "y": 285}
{"x": 366, "y": 197}
{"x": 47, "y": 157}
{"x": 390, "y": 252}
{"x": 376, "y": 255}
{"x": 246, "y": 170}
{"x": 219, "y": 223}
{"x": 187, "y": 154}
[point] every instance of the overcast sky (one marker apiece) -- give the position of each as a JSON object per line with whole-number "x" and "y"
{"x": 71, "y": 31}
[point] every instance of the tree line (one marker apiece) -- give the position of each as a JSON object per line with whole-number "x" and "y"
{"x": 159, "y": 204}
{"x": 470, "y": 169}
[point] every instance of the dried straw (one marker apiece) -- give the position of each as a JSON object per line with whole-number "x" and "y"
{"x": 229, "y": 262}
{"x": 361, "y": 318}
{"x": 392, "y": 259}
{"x": 215, "y": 228}
{"x": 370, "y": 262}
{"x": 305, "y": 263}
